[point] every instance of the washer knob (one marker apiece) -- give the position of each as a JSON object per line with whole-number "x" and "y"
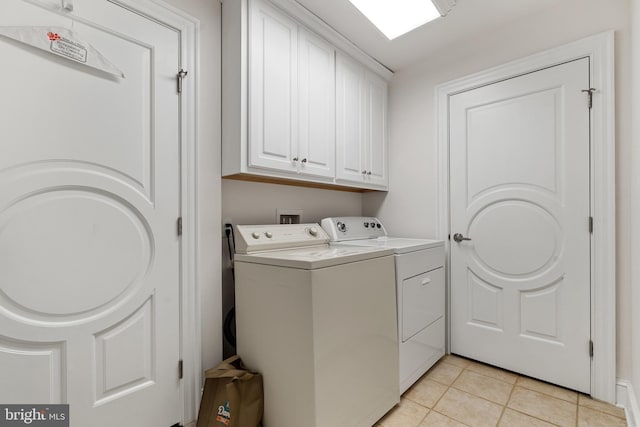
{"x": 366, "y": 225}
{"x": 341, "y": 226}
{"x": 268, "y": 234}
{"x": 313, "y": 231}
{"x": 255, "y": 235}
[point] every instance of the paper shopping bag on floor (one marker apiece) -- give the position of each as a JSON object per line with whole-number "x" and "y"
{"x": 232, "y": 397}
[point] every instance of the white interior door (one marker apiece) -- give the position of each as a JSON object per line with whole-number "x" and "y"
{"x": 89, "y": 196}
{"x": 519, "y": 189}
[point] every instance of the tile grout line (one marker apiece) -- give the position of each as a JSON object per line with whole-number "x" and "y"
{"x": 449, "y": 388}
{"x": 445, "y": 392}
{"x": 504, "y": 407}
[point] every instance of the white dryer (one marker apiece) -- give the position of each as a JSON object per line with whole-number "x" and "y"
{"x": 420, "y": 283}
{"x": 319, "y": 323}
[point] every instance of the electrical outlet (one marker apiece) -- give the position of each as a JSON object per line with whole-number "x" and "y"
{"x": 288, "y": 216}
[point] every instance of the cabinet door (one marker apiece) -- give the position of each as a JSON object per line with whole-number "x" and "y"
{"x": 316, "y": 111}
{"x": 350, "y": 126}
{"x": 376, "y": 131}
{"x": 273, "y": 69}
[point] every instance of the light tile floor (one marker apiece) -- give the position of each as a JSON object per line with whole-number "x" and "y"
{"x": 458, "y": 392}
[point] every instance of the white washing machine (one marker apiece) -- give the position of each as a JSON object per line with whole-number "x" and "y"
{"x": 319, "y": 323}
{"x": 420, "y": 283}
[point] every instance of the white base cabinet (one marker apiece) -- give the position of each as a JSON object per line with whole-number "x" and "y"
{"x": 281, "y": 103}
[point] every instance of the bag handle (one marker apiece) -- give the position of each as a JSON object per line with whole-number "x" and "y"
{"x": 225, "y": 373}
{"x": 232, "y": 362}
{"x": 231, "y": 367}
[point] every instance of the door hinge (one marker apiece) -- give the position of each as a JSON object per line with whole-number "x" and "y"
{"x": 591, "y": 224}
{"x": 591, "y": 348}
{"x": 181, "y": 75}
{"x": 589, "y": 93}
{"x": 180, "y": 369}
{"x": 179, "y": 226}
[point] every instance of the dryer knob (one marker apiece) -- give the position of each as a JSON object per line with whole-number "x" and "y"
{"x": 341, "y": 226}
{"x": 255, "y": 235}
{"x": 268, "y": 234}
{"x": 313, "y": 231}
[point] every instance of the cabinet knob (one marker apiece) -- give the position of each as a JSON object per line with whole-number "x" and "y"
{"x": 364, "y": 172}
{"x": 304, "y": 160}
{"x": 369, "y": 173}
{"x": 295, "y": 159}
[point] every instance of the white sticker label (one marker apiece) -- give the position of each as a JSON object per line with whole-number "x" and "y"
{"x": 70, "y": 49}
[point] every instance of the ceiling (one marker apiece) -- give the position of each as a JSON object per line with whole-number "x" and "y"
{"x": 466, "y": 19}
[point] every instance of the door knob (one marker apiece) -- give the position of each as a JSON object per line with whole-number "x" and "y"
{"x": 459, "y": 237}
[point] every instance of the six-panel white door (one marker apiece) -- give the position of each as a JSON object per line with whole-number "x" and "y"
{"x": 519, "y": 189}
{"x": 89, "y": 196}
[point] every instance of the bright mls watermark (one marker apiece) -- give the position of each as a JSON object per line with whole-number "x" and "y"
{"x": 34, "y": 415}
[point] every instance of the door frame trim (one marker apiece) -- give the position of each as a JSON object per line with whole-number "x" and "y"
{"x": 600, "y": 51}
{"x": 188, "y": 29}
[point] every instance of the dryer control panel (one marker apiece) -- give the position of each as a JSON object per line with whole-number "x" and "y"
{"x": 353, "y": 228}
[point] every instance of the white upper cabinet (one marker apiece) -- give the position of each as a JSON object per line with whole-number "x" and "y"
{"x": 316, "y": 105}
{"x": 273, "y": 89}
{"x": 291, "y": 110}
{"x": 350, "y": 126}
{"x": 376, "y": 133}
{"x": 361, "y": 125}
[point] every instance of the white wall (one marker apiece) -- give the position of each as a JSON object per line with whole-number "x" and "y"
{"x": 635, "y": 196}
{"x": 208, "y": 197}
{"x": 256, "y": 203}
{"x": 409, "y": 207}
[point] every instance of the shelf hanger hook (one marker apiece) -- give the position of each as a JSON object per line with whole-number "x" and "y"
{"x": 67, "y": 5}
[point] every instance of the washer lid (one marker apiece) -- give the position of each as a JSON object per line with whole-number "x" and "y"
{"x": 400, "y": 245}
{"x": 311, "y": 258}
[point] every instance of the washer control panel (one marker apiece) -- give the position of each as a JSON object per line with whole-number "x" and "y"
{"x": 257, "y": 238}
{"x": 353, "y": 228}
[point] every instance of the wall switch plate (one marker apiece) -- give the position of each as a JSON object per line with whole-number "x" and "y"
{"x": 288, "y": 216}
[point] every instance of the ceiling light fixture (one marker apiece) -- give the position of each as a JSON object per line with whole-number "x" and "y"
{"x": 397, "y": 17}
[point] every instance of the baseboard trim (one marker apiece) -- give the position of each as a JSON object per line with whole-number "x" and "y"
{"x": 626, "y": 398}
